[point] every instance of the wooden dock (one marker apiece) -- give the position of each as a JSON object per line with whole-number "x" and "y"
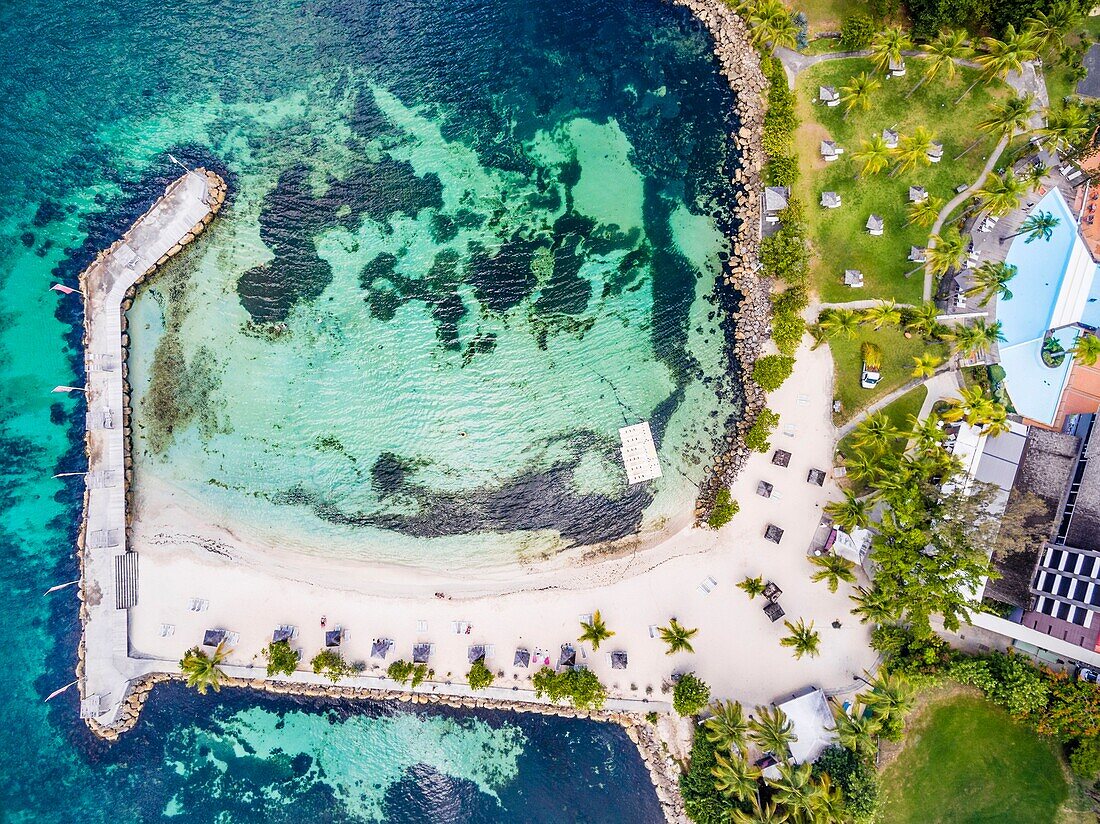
{"x": 109, "y": 570}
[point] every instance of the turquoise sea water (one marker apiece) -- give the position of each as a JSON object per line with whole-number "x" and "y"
{"x": 465, "y": 244}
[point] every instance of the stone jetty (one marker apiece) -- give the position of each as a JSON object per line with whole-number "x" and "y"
{"x": 108, "y": 570}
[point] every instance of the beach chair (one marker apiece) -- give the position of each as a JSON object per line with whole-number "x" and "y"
{"x": 707, "y": 585}
{"x": 167, "y": 630}
{"x": 654, "y": 631}
{"x": 421, "y": 626}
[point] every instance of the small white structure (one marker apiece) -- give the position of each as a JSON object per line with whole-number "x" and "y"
{"x": 639, "y": 453}
{"x": 875, "y": 225}
{"x": 890, "y": 138}
{"x": 852, "y": 545}
{"x": 918, "y": 254}
{"x": 828, "y": 95}
{"x": 853, "y": 278}
{"x": 896, "y": 68}
{"x": 776, "y": 199}
{"x": 917, "y": 194}
{"x": 812, "y": 723}
{"x": 830, "y": 200}
{"x": 830, "y": 151}
{"x": 935, "y": 152}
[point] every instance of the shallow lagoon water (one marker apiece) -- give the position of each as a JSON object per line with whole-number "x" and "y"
{"x": 469, "y": 101}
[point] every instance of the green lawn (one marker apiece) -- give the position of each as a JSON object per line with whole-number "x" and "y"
{"x": 968, "y": 762}
{"x": 839, "y": 238}
{"x": 900, "y": 413}
{"x": 897, "y": 366}
{"x": 827, "y": 15}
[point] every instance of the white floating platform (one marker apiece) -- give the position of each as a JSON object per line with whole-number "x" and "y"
{"x": 639, "y": 453}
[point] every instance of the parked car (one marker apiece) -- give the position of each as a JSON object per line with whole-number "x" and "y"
{"x": 1090, "y": 675}
{"x": 872, "y": 363}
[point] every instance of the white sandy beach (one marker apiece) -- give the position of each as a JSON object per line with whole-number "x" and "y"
{"x": 251, "y": 588}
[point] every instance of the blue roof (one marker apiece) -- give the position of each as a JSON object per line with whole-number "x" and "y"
{"x": 1025, "y": 318}
{"x": 1040, "y": 266}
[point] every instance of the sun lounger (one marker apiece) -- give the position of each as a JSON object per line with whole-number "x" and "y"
{"x": 421, "y": 626}
{"x": 707, "y": 585}
{"x": 654, "y": 631}
{"x": 167, "y": 630}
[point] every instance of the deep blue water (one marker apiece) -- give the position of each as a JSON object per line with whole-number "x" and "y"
{"x": 272, "y": 94}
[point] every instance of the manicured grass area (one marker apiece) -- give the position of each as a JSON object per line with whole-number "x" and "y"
{"x": 968, "y": 762}
{"x": 897, "y": 366}
{"x": 839, "y": 238}
{"x": 823, "y": 45}
{"x": 827, "y": 15}
{"x": 900, "y": 413}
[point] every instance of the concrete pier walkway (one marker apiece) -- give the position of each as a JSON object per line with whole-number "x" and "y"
{"x": 108, "y": 569}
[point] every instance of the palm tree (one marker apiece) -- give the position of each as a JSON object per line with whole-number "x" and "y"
{"x": 727, "y": 727}
{"x": 950, "y": 45}
{"x": 857, "y": 94}
{"x": 927, "y": 434}
{"x": 875, "y": 431}
{"x": 923, "y": 319}
{"x": 924, "y": 212}
{"x": 768, "y": 813}
{"x": 1048, "y": 28}
{"x": 863, "y": 465}
{"x": 752, "y": 586}
{"x": 803, "y": 639}
{"x": 978, "y": 337}
{"x": 1036, "y": 226}
{"x": 891, "y": 697}
{"x": 678, "y": 637}
{"x": 851, "y": 513}
{"x": 1001, "y": 193}
{"x": 883, "y": 313}
{"x": 925, "y": 364}
{"x": 991, "y": 280}
{"x": 1086, "y": 349}
{"x": 202, "y": 670}
{"x": 1066, "y": 126}
{"x": 887, "y": 46}
{"x": 771, "y": 22}
{"x": 795, "y": 789}
{"x": 1006, "y": 118}
{"x": 772, "y": 731}
{"x": 873, "y": 156}
{"x": 946, "y": 250}
{"x": 972, "y": 405}
{"x": 996, "y": 422}
{"x": 914, "y": 150}
{"x": 735, "y": 777}
{"x": 1003, "y": 56}
{"x": 856, "y": 729}
{"x": 834, "y": 569}
{"x": 595, "y": 630}
{"x": 874, "y": 606}
{"x": 1034, "y": 175}
{"x": 839, "y": 321}
{"x": 829, "y": 806}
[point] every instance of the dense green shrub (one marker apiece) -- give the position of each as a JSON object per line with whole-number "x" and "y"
{"x": 281, "y": 659}
{"x": 756, "y": 438}
{"x": 784, "y": 255}
{"x": 855, "y": 777}
{"x": 781, "y": 119}
{"x": 782, "y": 170}
{"x": 771, "y": 371}
{"x": 1085, "y": 758}
{"x": 479, "y": 677}
{"x": 331, "y": 664}
{"x": 690, "y": 694}
{"x": 400, "y": 670}
{"x": 702, "y": 801}
{"x": 581, "y": 688}
{"x": 856, "y": 32}
{"x": 788, "y": 327}
{"x": 723, "y": 510}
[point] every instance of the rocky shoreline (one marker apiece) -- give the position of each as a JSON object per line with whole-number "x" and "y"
{"x": 740, "y": 284}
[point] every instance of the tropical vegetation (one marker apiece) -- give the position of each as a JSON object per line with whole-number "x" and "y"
{"x": 202, "y": 670}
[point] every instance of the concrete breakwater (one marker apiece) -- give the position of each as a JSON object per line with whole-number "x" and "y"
{"x": 739, "y": 64}
{"x": 108, "y": 567}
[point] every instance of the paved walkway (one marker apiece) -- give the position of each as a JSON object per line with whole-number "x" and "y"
{"x": 886, "y": 400}
{"x": 108, "y": 668}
